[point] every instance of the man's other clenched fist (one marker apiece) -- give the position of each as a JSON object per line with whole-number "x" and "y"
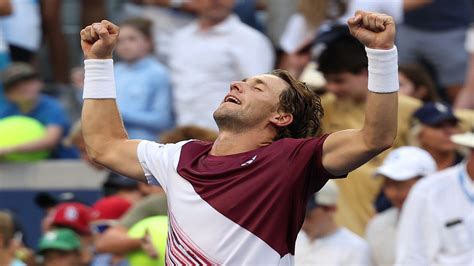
{"x": 376, "y": 31}
{"x": 99, "y": 39}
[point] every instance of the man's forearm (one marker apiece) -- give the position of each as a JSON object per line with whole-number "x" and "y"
{"x": 380, "y": 127}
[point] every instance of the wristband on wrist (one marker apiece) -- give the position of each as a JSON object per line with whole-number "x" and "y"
{"x": 99, "y": 80}
{"x": 383, "y": 70}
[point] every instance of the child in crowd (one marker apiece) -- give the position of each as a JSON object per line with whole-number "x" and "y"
{"x": 143, "y": 84}
{"x": 416, "y": 82}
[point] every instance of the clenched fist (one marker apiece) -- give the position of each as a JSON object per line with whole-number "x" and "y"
{"x": 99, "y": 39}
{"x": 376, "y": 31}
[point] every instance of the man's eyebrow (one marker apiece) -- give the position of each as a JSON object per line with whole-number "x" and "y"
{"x": 257, "y": 81}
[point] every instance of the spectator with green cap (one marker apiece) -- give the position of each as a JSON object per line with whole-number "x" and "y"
{"x": 60, "y": 247}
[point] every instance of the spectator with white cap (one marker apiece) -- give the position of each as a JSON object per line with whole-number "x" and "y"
{"x": 437, "y": 222}
{"x": 402, "y": 168}
{"x": 321, "y": 241}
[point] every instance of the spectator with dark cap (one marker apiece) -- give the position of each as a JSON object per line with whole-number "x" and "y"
{"x": 122, "y": 186}
{"x": 60, "y": 247}
{"x": 22, "y": 88}
{"x": 434, "y": 124}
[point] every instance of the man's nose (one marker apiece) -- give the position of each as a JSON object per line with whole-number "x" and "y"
{"x": 237, "y": 86}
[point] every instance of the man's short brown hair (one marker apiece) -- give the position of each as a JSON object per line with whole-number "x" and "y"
{"x": 301, "y": 102}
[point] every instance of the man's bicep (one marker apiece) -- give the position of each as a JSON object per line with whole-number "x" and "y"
{"x": 122, "y": 158}
{"x": 344, "y": 151}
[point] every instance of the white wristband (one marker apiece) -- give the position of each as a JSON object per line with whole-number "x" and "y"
{"x": 470, "y": 40}
{"x": 383, "y": 70}
{"x": 99, "y": 80}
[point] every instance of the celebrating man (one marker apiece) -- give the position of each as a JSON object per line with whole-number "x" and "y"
{"x": 242, "y": 199}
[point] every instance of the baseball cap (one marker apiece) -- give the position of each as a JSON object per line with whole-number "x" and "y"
{"x": 406, "y": 163}
{"x": 17, "y": 72}
{"x": 465, "y": 139}
{"x": 327, "y": 196}
{"x": 433, "y": 113}
{"x": 59, "y": 239}
{"x": 75, "y": 216}
{"x": 111, "y": 208}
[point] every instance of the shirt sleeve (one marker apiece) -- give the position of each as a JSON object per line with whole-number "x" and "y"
{"x": 157, "y": 160}
{"x": 304, "y": 158}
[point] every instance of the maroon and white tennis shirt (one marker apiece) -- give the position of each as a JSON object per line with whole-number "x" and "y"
{"x": 241, "y": 209}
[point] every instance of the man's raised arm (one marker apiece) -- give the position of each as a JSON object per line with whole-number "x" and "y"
{"x": 346, "y": 150}
{"x": 104, "y": 134}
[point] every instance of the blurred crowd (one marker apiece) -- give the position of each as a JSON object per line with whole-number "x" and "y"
{"x": 174, "y": 61}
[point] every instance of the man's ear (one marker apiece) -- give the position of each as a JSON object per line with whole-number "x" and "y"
{"x": 282, "y": 119}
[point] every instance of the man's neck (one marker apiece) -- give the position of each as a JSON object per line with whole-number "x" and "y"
{"x": 228, "y": 143}
{"x": 207, "y": 23}
{"x": 26, "y": 107}
{"x": 443, "y": 159}
{"x": 327, "y": 231}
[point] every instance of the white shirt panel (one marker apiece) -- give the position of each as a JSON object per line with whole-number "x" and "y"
{"x": 220, "y": 239}
{"x": 341, "y": 248}
{"x": 437, "y": 222}
{"x": 203, "y": 63}
{"x": 381, "y": 236}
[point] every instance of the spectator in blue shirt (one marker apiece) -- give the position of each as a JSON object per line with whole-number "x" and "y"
{"x": 22, "y": 89}
{"x": 143, "y": 84}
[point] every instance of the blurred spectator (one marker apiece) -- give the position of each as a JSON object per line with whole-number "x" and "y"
{"x": 60, "y": 247}
{"x": 116, "y": 240}
{"x": 210, "y": 53}
{"x": 465, "y": 98}
{"x": 436, "y": 224}
{"x": 188, "y": 132}
{"x": 402, "y": 168}
{"x": 109, "y": 210}
{"x": 301, "y": 30}
{"x": 142, "y": 78}
{"x": 51, "y": 13}
{"x": 7, "y": 242}
{"x": 416, "y": 82}
{"x": 5, "y": 10}
{"x": 22, "y": 30}
{"x": 321, "y": 241}
{"x": 122, "y": 186}
{"x": 393, "y": 8}
{"x": 77, "y": 217}
{"x": 167, "y": 17}
{"x": 23, "y": 94}
{"x": 278, "y": 14}
{"x": 435, "y": 123}
{"x": 425, "y": 34}
{"x": 344, "y": 66}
